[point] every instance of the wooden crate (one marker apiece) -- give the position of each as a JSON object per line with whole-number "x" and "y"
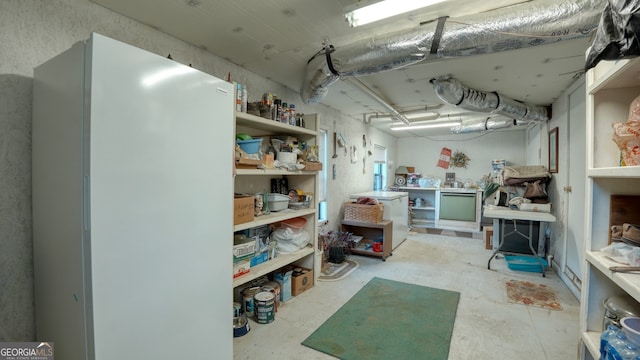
{"x": 363, "y": 213}
{"x": 313, "y": 166}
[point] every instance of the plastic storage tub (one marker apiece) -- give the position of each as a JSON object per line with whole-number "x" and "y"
{"x": 278, "y": 202}
{"x": 525, "y": 263}
{"x": 250, "y": 146}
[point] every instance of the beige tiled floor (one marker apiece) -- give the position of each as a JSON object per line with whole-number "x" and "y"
{"x": 487, "y": 326}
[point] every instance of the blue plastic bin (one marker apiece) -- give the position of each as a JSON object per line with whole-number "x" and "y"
{"x": 525, "y": 263}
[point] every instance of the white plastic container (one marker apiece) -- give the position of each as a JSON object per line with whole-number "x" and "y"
{"x": 287, "y": 157}
{"x": 278, "y": 202}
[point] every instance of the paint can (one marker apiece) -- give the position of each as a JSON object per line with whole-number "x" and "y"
{"x": 264, "y": 304}
{"x": 247, "y": 300}
{"x": 273, "y": 287}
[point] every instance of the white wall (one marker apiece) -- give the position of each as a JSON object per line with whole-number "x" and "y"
{"x": 350, "y": 178}
{"x": 536, "y": 142}
{"x": 482, "y": 148}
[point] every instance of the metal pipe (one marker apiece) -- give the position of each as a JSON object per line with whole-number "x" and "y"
{"x": 427, "y": 116}
{"x": 422, "y": 111}
{"x": 395, "y": 113}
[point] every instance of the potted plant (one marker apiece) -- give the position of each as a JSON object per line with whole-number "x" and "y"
{"x": 336, "y": 246}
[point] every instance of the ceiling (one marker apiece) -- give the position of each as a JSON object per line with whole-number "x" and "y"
{"x": 276, "y": 38}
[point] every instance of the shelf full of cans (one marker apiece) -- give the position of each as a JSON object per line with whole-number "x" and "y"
{"x": 269, "y": 107}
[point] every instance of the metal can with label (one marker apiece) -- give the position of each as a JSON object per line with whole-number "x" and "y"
{"x": 264, "y": 303}
{"x": 247, "y": 300}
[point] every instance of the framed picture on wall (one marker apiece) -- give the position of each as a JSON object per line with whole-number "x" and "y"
{"x": 553, "y": 150}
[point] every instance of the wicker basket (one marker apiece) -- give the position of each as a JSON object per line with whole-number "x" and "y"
{"x": 363, "y": 213}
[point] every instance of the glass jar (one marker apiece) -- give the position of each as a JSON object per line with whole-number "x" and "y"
{"x": 616, "y": 307}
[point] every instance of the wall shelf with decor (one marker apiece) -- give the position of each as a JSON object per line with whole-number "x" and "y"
{"x": 611, "y": 87}
{"x": 258, "y": 181}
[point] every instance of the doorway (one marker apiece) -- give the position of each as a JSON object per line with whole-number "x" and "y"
{"x": 575, "y": 189}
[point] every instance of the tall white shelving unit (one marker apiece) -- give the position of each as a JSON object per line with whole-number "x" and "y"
{"x": 611, "y": 87}
{"x": 257, "y": 180}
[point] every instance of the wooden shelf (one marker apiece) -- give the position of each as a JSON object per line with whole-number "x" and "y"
{"x": 380, "y": 225}
{"x": 273, "y": 172}
{"x": 422, "y": 223}
{"x": 272, "y": 265}
{"x": 429, "y": 208}
{"x": 269, "y": 126}
{"x": 412, "y": 188}
{"x": 274, "y": 217}
{"x": 611, "y": 87}
{"x": 259, "y": 180}
{"x": 615, "y": 75}
{"x": 629, "y": 282}
{"x": 367, "y": 252}
{"x": 615, "y": 172}
{"x": 591, "y": 340}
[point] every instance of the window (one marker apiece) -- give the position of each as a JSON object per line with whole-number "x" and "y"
{"x": 323, "y": 141}
{"x": 379, "y": 168}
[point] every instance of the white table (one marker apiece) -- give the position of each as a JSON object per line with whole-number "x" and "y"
{"x": 500, "y": 214}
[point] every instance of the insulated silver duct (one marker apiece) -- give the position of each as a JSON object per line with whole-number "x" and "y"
{"x": 516, "y": 27}
{"x": 453, "y": 92}
{"x": 482, "y": 125}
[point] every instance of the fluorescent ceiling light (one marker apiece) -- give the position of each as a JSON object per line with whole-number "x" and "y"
{"x": 425, "y": 125}
{"x": 365, "y": 12}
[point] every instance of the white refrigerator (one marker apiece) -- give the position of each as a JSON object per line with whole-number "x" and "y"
{"x": 396, "y": 209}
{"x": 132, "y": 191}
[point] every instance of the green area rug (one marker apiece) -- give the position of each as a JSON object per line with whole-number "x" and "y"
{"x": 390, "y": 320}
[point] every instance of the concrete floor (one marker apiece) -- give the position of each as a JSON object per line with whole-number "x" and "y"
{"x": 487, "y": 326}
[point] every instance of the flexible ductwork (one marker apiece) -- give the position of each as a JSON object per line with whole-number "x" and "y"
{"x": 453, "y": 92}
{"x": 483, "y": 125}
{"x": 516, "y": 27}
